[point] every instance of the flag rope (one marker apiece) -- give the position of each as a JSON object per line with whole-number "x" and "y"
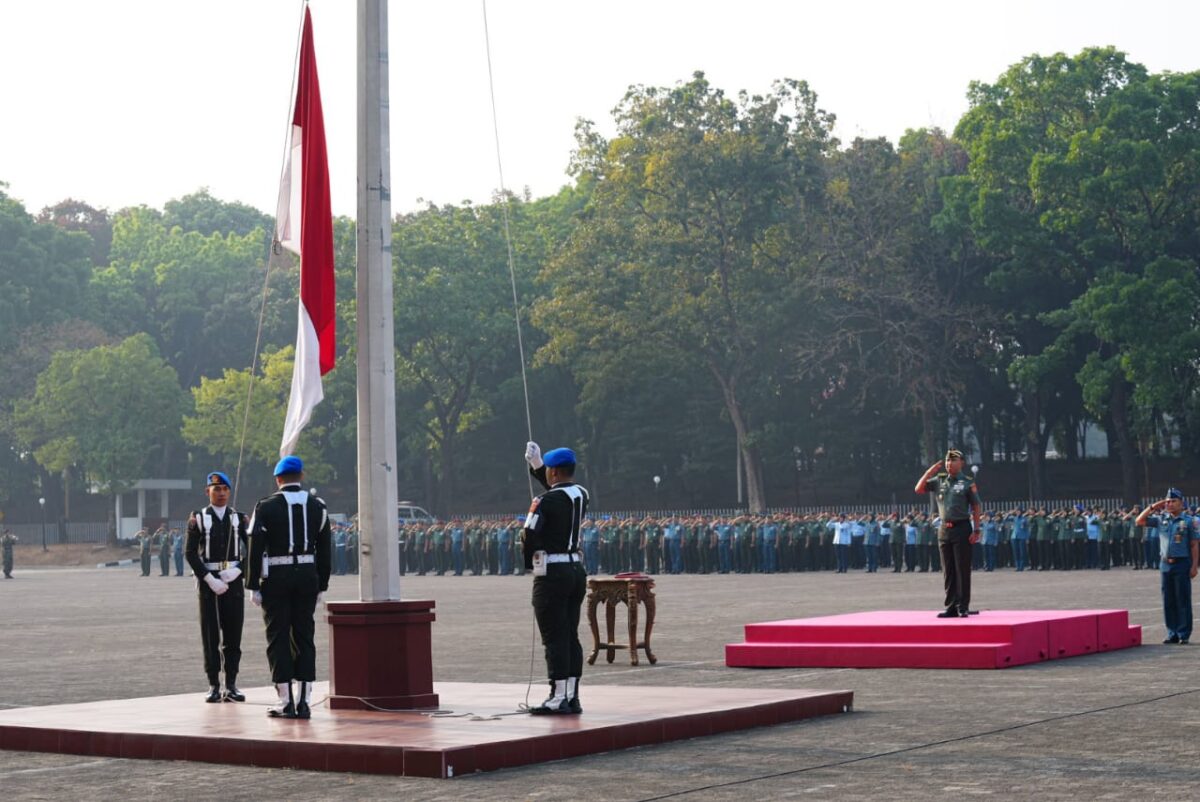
{"x": 512, "y": 272}
{"x": 275, "y": 250}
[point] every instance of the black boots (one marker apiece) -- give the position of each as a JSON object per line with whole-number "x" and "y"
{"x": 214, "y": 694}
{"x": 302, "y": 708}
{"x": 285, "y": 707}
{"x": 564, "y": 699}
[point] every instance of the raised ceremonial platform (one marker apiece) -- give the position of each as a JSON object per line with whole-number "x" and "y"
{"x": 919, "y": 639}
{"x": 476, "y": 729}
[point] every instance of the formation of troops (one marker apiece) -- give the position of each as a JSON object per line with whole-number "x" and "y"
{"x": 1036, "y": 539}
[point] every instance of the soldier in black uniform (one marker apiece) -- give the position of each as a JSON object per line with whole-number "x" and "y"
{"x": 216, "y": 550}
{"x": 551, "y": 545}
{"x": 290, "y": 563}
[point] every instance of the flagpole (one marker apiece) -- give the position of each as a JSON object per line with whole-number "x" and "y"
{"x": 379, "y": 577}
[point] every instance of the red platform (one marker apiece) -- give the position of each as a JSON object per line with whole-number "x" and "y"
{"x": 478, "y": 738}
{"x": 919, "y": 639}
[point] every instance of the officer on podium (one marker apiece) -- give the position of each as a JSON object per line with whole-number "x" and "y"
{"x": 551, "y": 545}
{"x": 215, "y": 549}
{"x": 290, "y": 563}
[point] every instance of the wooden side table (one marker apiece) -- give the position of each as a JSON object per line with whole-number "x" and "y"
{"x": 611, "y": 591}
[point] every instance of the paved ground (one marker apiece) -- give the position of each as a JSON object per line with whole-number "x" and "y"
{"x": 1122, "y": 725}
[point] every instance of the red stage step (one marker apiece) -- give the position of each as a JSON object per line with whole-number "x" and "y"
{"x": 481, "y": 737}
{"x": 919, "y": 639}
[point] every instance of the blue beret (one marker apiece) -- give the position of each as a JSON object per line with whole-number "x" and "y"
{"x": 289, "y": 464}
{"x": 218, "y": 478}
{"x": 1175, "y": 492}
{"x": 559, "y": 457}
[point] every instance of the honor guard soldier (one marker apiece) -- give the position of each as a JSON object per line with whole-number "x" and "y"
{"x": 289, "y": 567}
{"x": 958, "y": 503}
{"x": 1178, "y": 537}
{"x": 7, "y": 541}
{"x": 552, "y": 550}
{"x": 215, "y": 550}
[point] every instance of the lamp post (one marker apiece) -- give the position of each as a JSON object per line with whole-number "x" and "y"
{"x": 657, "y": 481}
{"x": 42, "y": 504}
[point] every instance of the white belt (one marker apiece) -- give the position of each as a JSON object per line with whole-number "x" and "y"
{"x": 571, "y": 557}
{"x": 291, "y": 560}
{"x": 221, "y": 566}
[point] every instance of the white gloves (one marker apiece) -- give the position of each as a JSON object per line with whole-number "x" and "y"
{"x": 533, "y": 455}
{"x": 319, "y": 597}
{"x": 218, "y": 587}
{"x": 256, "y": 597}
{"x": 229, "y": 574}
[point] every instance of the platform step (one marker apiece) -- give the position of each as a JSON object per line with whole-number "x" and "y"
{"x": 873, "y": 655}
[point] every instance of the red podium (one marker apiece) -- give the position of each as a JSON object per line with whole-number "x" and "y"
{"x": 380, "y": 655}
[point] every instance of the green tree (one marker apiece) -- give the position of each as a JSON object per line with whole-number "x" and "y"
{"x": 109, "y": 411}
{"x": 691, "y": 242}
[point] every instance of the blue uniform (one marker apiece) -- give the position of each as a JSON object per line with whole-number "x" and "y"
{"x": 1175, "y": 538}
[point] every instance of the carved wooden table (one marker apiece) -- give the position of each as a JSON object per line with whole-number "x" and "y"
{"x": 612, "y": 591}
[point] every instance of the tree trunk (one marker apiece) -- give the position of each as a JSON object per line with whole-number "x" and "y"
{"x": 1119, "y": 414}
{"x": 447, "y": 457}
{"x": 1035, "y": 449}
{"x": 755, "y": 496}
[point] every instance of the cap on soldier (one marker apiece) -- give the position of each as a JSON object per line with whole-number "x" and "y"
{"x": 218, "y": 478}
{"x": 559, "y": 457}
{"x": 954, "y": 453}
{"x": 289, "y": 464}
{"x": 1175, "y": 492}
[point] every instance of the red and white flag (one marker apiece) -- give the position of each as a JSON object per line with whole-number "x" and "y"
{"x": 304, "y": 225}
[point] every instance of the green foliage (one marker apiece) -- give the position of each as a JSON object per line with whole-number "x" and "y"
{"x": 108, "y": 410}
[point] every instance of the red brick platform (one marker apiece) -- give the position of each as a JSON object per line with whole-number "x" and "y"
{"x": 919, "y": 639}
{"x": 476, "y": 738}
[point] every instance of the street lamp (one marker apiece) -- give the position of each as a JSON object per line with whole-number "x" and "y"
{"x": 657, "y": 480}
{"x": 42, "y": 504}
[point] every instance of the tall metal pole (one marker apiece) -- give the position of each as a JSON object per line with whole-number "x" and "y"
{"x": 379, "y": 576}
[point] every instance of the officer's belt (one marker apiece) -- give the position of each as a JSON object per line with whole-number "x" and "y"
{"x": 568, "y": 557}
{"x": 222, "y": 566}
{"x": 292, "y": 559}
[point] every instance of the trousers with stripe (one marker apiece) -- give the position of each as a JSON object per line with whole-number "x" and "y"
{"x": 289, "y": 602}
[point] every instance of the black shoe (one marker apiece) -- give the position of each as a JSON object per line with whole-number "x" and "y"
{"x": 282, "y": 711}
{"x": 1171, "y": 639}
{"x": 214, "y": 694}
{"x": 948, "y": 614}
{"x": 232, "y": 694}
{"x": 1183, "y": 641}
{"x": 547, "y": 708}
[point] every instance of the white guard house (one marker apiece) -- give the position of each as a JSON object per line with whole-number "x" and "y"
{"x": 127, "y": 527}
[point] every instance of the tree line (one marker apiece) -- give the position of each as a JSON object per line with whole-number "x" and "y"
{"x": 723, "y": 296}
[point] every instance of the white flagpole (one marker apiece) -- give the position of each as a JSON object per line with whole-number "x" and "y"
{"x": 379, "y": 577}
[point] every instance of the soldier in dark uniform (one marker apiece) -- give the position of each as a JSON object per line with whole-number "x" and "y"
{"x": 164, "y": 551}
{"x": 1179, "y": 554}
{"x": 145, "y": 549}
{"x": 216, "y": 552}
{"x": 290, "y": 563}
{"x": 552, "y": 543}
{"x": 7, "y": 541}
{"x": 958, "y": 504}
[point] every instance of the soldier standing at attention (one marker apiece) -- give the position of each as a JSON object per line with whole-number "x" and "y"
{"x": 144, "y": 541}
{"x": 290, "y": 563}
{"x": 7, "y": 541}
{"x": 1179, "y": 556}
{"x": 177, "y": 540}
{"x": 216, "y": 550}
{"x": 958, "y": 504}
{"x": 552, "y": 551}
{"x": 164, "y": 551}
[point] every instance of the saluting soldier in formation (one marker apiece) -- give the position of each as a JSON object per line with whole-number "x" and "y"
{"x": 290, "y": 563}
{"x": 7, "y": 541}
{"x": 216, "y": 550}
{"x": 164, "y": 550}
{"x": 1179, "y": 556}
{"x": 145, "y": 549}
{"x": 560, "y": 581}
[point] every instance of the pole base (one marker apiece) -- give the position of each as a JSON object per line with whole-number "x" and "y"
{"x": 380, "y": 655}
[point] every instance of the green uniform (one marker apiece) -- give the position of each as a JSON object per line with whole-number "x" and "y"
{"x": 6, "y": 544}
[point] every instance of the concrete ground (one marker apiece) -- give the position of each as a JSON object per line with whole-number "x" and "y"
{"x": 1120, "y": 725}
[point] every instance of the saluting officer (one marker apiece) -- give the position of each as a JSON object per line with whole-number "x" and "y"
{"x": 290, "y": 556}
{"x": 560, "y": 581}
{"x": 215, "y": 550}
{"x": 1179, "y": 554}
{"x": 958, "y": 503}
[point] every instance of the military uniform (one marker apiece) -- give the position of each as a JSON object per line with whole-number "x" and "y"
{"x": 957, "y": 498}
{"x": 551, "y": 534}
{"x": 216, "y": 549}
{"x": 1178, "y": 536}
{"x": 7, "y": 541}
{"x": 290, "y": 563}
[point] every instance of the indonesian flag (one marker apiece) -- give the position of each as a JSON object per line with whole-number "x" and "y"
{"x": 304, "y": 225}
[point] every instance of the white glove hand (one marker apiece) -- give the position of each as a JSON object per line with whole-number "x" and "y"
{"x": 256, "y": 597}
{"x": 218, "y": 587}
{"x": 229, "y": 574}
{"x": 533, "y": 455}
{"x": 319, "y": 597}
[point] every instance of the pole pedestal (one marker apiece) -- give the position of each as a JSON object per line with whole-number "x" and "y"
{"x": 380, "y": 655}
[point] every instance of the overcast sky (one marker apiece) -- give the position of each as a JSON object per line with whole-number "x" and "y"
{"x": 138, "y": 101}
